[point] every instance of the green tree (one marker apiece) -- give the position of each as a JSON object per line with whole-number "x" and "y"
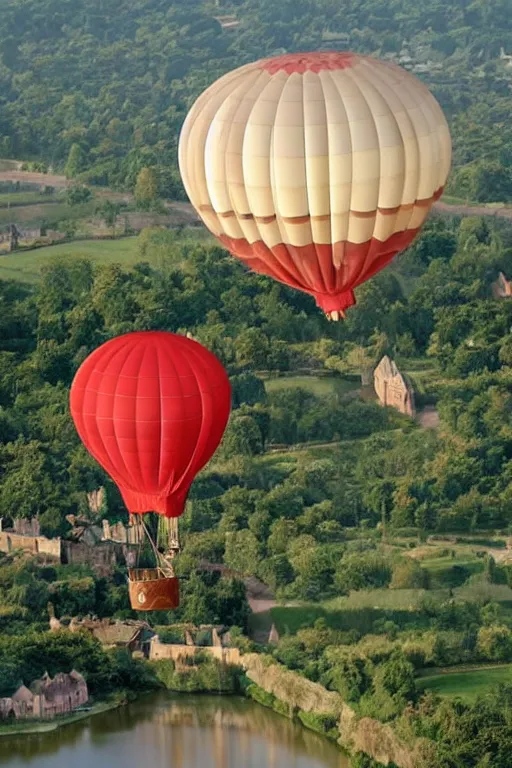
{"x": 146, "y": 189}
{"x": 242, "y": 552}
{"x": 110, "y": 211}
{"x": 76, "y": 161}
{"x": 363, "y": 571}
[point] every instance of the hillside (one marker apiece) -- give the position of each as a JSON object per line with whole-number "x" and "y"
{"x": 114, "y": 85}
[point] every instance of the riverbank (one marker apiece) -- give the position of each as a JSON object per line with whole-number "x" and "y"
{"x": 325, "y": 712}
{"x": 164, "y": 729}
{"x": 46, "y": 726}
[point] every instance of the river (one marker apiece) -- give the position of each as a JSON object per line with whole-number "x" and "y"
{"x": 171, "y": 731}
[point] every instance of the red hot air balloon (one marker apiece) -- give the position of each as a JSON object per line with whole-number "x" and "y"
{"x": 151, "y": 407}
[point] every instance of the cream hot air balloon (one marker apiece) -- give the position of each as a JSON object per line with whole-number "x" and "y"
{"x": 316, "y": 169}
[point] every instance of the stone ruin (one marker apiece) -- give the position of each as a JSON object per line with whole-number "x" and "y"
{"x": 502, "y": 288}
{"x": 46, "y": 698}
{"x": 392, "y": 388}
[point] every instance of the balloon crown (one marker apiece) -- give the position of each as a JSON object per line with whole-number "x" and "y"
{"x": 314, "y": 61}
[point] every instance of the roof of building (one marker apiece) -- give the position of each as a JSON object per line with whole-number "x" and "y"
{"x": 117, "y": 634}
{"x": 22, "y": 694}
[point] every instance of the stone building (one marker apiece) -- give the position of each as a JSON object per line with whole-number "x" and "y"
{"x": 218, "y": 645}
{"x": 46, "y": 698}
{"x": 25, "y": 535}
{"x": 502, "y": 288}
{"x": 392, "y": 388}
{"x": 132, "y": 534}
{"x": 130, "y": 634}
{"x": 85, "y": 544}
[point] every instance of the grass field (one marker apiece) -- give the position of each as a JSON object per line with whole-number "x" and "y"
{"x": 16, "y": 199}
{"x": 466, "y": 685}
{"x": 452, "y": 200}
{"x": 359, "y": 610}
{"x": 9, "y": 165}
{"x": 26, "y": 267}
{"x": 319, "y": 385}
{"x": 33, "y": 215}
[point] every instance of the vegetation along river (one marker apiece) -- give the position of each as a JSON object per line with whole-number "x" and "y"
{"x": 169, "y": 731}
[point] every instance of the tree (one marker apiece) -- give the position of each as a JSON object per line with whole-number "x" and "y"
{"x": 146, "y": 189}
{"x": 362, "y": 571}
{"x": 495, "y": 643}
{"x": 362, "y": 360}
{"x": 78, "y": 195}
{"x": 490, "y": 570}
{"x": 350, "y": 675}
{"x": 407, "y": 574}
{"x": 247, "y": 389}
{"x": 243, "y": 436}
{"x": 110, "y": 212}
{"x": 76, "y": 161}
{"x": 242, "y": 552}
{"x": 252, "y": 349}
{"x": 396, "y": 676}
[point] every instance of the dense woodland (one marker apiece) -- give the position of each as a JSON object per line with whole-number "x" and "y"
{"x": 312, "y": 523}
{"x": 107, "y": 86}
{"x": 318, "y": 491}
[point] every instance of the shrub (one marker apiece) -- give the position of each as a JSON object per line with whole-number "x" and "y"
{"x": 326, "y": 724}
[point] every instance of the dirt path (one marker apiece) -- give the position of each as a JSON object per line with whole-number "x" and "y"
{"x": 61, "y": 182}
{"x": 428, "y": 418}
{"x": 39, "y": 179}
{"x": 497, "y": 211}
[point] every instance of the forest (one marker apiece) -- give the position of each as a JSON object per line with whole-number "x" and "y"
{"x": 383, "y": 540}
{"x": 108, "y": 86}
{"x": 319, "y": 493}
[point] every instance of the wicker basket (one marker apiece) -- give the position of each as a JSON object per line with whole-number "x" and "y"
{"x": 152, "y": 590}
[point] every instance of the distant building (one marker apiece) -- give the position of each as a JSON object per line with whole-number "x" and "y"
{"x": 133, "y": 635}
{"x": 85, "y": 544}
{"x": 392, "y": 388}
{"x": 25, "y": 535}
{"x": 273, "y": 637}
{"x": 46, "y": 698}
{"x": 133, "y": 533}
{"x": 212, "y": 640}
{"x": 228, "y": 22}
{"x": 502, "y": 288}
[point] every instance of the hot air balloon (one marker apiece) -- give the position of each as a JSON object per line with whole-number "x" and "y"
{"x": 151, "y": 407}
{"x": 316, "y": 168}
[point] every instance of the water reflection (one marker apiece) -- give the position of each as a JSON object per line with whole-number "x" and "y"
{"x": 176, "y": 732}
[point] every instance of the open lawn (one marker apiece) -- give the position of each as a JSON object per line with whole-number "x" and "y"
{"x": 359, "y": 610}
{"x": 466, "y": 685}
{"x": 26, "y": 267}
{"x": 319, "y": 385}
{"x": 15, "y": 199}
{"x": 51, "y": 212}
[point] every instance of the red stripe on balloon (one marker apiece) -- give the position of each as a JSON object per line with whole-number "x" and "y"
{"x": 314, "y": 61}
{"x": 359, "y": 262}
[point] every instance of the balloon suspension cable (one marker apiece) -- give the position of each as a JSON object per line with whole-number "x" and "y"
{"x": 336, "y": 315}
{"x": 161, "y": 561}
{"x": 136, "y": 522}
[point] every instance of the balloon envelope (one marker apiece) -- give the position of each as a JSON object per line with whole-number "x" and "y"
{"x": 316, "y": 169}
{"x": 151, "y": 407}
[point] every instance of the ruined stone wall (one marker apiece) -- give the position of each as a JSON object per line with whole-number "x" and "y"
{"x": 177, "y": 653}
{"x": 10, "y": 541}
{"x": 102, "y": 557}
